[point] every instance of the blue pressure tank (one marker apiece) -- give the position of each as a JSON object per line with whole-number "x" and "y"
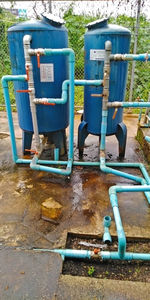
{"x": 94, "y": 44}
{"x": 48, "y": 79}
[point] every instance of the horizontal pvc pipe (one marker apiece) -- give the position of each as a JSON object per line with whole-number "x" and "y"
{"x": 64, "y": 95}
{"x": 120, "y": 189}
{"x": 87, "y": 254}
{"x": 145, "y": 188}
{"x": 108, "y": 170}
{"x": 71, "y": 253}
{"x": 84, "y": 82}
{"x": 62, "y": 100}
{"x": 123, "y": 164}
{"x": 63, "y": 51}
{"x": 127, "y": 256}
{"x": 34, "y": 166}
{"x": 130, "y": 57}
{"x": 135, "y": 165}
{"x": 8, "y": 78}
{"x": 128, "y": 104}
{"x": 86, "y": 163}
{"x": 147, "y": 138}
{"x": 23, "y": 161}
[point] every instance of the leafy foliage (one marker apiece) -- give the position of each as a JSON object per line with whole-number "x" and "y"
{"x": 6, "y": 20}
{"x": 76, "y": 29}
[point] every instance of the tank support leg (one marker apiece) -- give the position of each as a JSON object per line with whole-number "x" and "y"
{"x": 121, "y": 136}
{"x": 58, "y": 138}
{"x": 26, "y": 141}
{"x": 82, "y": 135}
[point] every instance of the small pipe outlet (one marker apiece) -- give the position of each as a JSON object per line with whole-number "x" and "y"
{"x": 106, "y": 236}
{"x": 107, "y": 221}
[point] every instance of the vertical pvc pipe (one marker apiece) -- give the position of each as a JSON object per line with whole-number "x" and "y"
{"x": 71, "y": 106}
{"x": 10, "y": 123}
{"x": 56, "y": 154}
{"x": 26, "y": 43}
{"x": 106, "y": 236}
{"x": 120, "y": 232}
{"x": 5, "y": 80}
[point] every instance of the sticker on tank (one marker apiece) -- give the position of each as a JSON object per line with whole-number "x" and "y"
{"x": 97, "y": 54}
{"x": 47, "y": 72}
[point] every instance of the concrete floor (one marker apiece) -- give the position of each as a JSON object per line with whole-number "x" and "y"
{"x": 85, "y": 201}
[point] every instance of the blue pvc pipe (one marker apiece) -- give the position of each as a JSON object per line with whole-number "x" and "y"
{"x": 108, "y": 170}
{"x": 71, "y": 253}
{"x": 84, "y": 82}
{"x": 127, "y": 256}
{"x": 5, "y": 80}
{"x": 35, "y": 166}
{"x": 135, "y": 188}
{"x": 131, "y": 57}
{"x": 147, "y": 138}
{"x": 136, "y": 104}
{"x": 71, "y": 109}
{"x": 120, "y": 232}
{"x": 56, "y": 154}
{"x": 64, "y": 95}
{"x": 114, "y": 203}
{"x": 106, "y": 236}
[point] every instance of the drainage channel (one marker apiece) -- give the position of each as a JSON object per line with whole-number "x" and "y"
{"x": 117, "y": 270}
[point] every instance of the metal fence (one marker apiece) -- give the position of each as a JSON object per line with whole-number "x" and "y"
{"x": 76, "y": 41}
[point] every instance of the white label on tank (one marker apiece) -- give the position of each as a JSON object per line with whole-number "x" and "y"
{"x": 47, "y": 72}
{"x": 97, "y": 54}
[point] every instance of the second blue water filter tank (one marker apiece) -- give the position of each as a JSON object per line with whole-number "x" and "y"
{"x": 94, "y": 44}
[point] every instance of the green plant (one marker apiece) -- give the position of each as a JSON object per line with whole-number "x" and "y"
{"x": 91, "y": 271}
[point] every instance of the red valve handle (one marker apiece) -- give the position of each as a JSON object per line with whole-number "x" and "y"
{"x": 46, "y": 103}
{"x": 33, "y": 151}
{"x": 23, "y": 91}
{"x": 38, "y": 59}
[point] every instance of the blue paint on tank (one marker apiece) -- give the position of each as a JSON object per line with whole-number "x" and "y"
{"x": 95, "y": 37}
{"x": 45, "y": 34}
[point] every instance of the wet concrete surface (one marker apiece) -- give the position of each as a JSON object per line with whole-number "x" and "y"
{"x": 28, "y": 275}
{"x": 80, "y": 288}
{"x": 83, "y": 195}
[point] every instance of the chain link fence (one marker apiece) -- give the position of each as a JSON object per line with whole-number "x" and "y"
{"x": 76, "y": 29}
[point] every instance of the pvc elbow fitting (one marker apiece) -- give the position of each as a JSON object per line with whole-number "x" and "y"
{"x": 106, "y": 236}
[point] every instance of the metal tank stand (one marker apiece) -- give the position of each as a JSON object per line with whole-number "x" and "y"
{"x": 82, "y": 135}
{"x": 121, "y": 135}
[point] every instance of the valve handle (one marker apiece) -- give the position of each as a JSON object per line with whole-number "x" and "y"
{"x": 115, "y": 112}
{"x": 31, "y": 150}
{"x": 38, "y": 59}
{"x": 46, "y": 103}
{"x": 23, "y": 91}
{"x": 96, "y": 250}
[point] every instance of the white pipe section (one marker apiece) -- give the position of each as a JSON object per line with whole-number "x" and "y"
{"x": 28, "y": 64}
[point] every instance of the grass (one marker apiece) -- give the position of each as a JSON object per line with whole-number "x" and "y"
{"x": 91, "y": 271}
{"x": 79, "y": 96}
